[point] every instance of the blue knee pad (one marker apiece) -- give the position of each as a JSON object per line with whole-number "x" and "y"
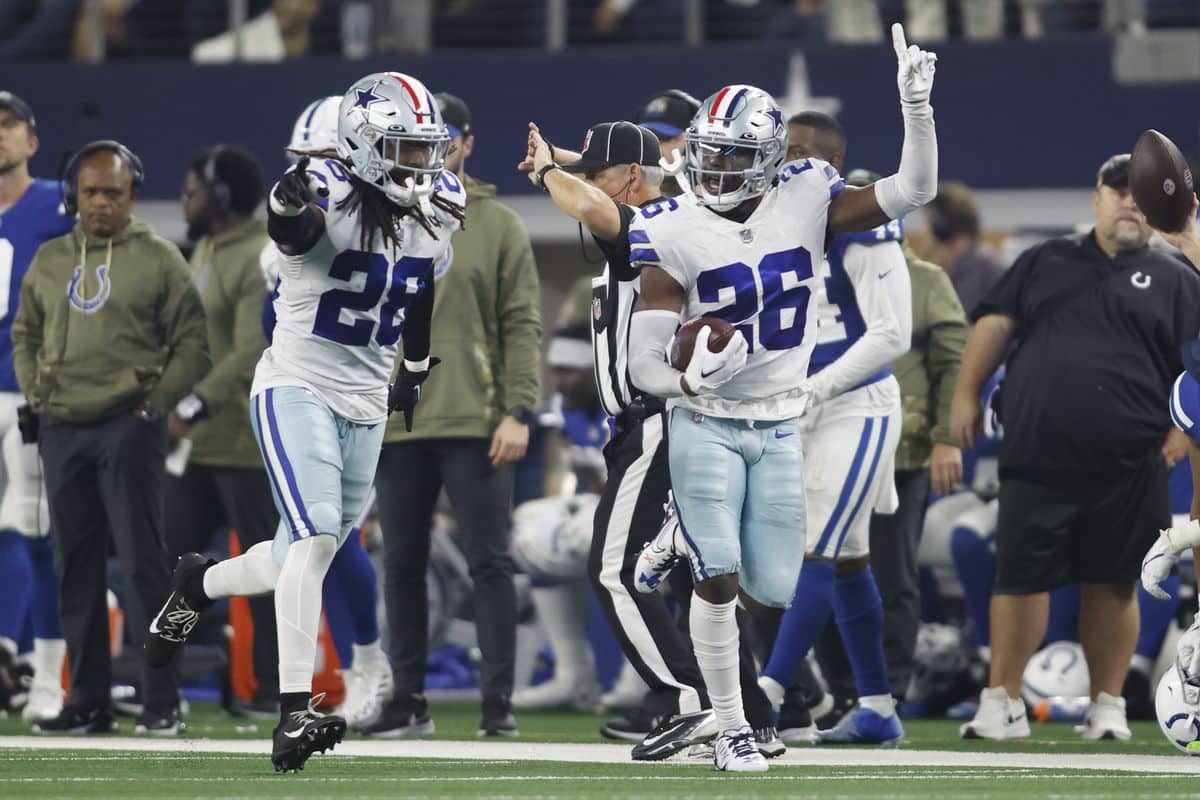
{"x": 975, "y": 561}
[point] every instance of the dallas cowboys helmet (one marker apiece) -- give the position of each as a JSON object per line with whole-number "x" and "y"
{"x": 735, "y": 146}
{"x": 1177, "y": 706}
{"x": 316, "y": 128}
{"x": 391, "y": 132}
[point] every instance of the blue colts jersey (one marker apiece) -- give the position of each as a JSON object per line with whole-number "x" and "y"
{"x": 839, "y": 320}
{"x": 36, "y": 218}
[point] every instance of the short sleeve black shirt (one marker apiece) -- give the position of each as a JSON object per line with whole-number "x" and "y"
{"x": 1097, "y": 349}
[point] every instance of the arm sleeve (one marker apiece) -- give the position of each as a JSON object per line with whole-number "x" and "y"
{"x": 884, "y": 295}
{"x": 650, "y": 333}
{"x": 418, "y": 323}
{"x": 27, "y": 335}
{"x": 185, "y": 334}
{"x": 301, "y": 232}
{"x": 944, "y": 352}
{"x": 231, "y": 377}
{"x": 518, "y": 309}
{"x": 915, "y": 182}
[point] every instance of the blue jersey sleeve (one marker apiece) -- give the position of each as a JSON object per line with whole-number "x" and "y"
{"x": 890, "y": 231}
{"x": 1185, "y": 405}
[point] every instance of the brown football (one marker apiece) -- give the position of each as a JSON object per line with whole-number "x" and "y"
{"x": 1161, "y": 181}
{"x": 685, "y": 339}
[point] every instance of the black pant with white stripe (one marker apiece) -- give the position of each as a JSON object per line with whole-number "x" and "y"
{"x": 630, "y": 513}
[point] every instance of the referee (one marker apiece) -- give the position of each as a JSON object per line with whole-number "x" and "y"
{"x": 620, "y": 172}
{"x": 1098, "y": 320}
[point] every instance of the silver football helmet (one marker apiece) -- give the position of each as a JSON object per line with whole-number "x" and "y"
{"x": 391, "y": 132}
{"x": 735, "y": 146}
{"x": 316, "y": 128}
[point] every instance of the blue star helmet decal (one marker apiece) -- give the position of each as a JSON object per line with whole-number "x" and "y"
{"x": 776, "y": 115}
{"x": 365, "y": 97}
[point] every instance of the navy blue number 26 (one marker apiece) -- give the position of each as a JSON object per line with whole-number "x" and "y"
{"x": 774, "y": 333}
{"x": 405, "y": 282}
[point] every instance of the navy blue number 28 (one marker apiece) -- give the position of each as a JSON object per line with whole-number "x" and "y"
{"x": 405, "y": 281}
{"x": 774, "y": 331}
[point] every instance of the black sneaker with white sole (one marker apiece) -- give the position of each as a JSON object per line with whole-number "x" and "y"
{"x": 675, "y": 733}
{"x": 302, "y": 733}
{"x": 405, "y": 716}
{"x": 633, "y": 727}
{"x": 796, "y": 724}
{"x": 153, "y": 724}
{"x": 76, "y": 721}
{"x": 497, "y": 718}
{"x": 175, "y": 620}
{"x": 769, "y": 742}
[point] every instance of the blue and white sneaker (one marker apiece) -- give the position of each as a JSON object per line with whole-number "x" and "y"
{"x": 864, "y": 726}
{"x": 661, "y": 554}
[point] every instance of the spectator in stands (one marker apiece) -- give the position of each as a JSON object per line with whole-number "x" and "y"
{"x": 284, "y": 31}
{"x": 953, "y": 219}
{"x": 219, "y": 480}
{"x": 1098, "y": 320}
{"x": 108, "y": 338}
{"x": 472, "y": 424}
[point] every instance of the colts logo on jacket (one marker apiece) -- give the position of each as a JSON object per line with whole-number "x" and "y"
{"x": 96, "y": 302}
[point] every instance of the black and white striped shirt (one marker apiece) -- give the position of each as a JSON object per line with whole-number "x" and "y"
{"x": 613, "y": 295}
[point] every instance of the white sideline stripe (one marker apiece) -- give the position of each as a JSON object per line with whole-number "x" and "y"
{"x": 618, "y": 754}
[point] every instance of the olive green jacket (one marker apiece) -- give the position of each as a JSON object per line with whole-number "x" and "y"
{"x": 487, "y": 328}
{"x": 227, "y": 273}
{"x": 96, "y": 336}
{"x": 928, "y": 371}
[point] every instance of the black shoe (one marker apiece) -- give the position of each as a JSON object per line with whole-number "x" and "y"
{"x": 261, "y": 708}
{"x": 405, "y": 716}
{"x": 633, "y": 727}
{"x": 1139, "y": 700}
{"x": 9, "y": 686}
{"x": 302, "y": 733}
{"x": 498, "y": 719}
{"x": 675, "y": 733}
{"x": 842, "y": 706}
{"x": 178, "y": 615}
{"x": 154, "y": 724}
{"x": 76, "y": 721}
{"x": 770, "y": 745}
{"x": 795, "y": 722}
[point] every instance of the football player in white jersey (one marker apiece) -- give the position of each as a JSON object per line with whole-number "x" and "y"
{"x": 748, "y": 250}
{"x": 362, "y": 229}
{"x": 850, "y": 434}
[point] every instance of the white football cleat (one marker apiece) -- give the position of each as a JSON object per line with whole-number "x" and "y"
{"x": 45, "y": 703}
{"x": 1105, "y": 719}
{"x": 999, "y": 717}
{"x": 737, "y": 751}
{"x": 661, "y": 554}
{"x": 567, "y": 693}
{"x": 368, "y": 690}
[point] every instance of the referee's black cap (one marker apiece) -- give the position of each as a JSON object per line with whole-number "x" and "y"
{"x": 668, "y": 113}
{"x": 612, "y": 143}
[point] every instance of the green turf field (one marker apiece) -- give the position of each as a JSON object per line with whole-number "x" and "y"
{"x": 958, "y": 769}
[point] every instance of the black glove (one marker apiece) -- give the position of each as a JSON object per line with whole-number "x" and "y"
{"x": 292, "y": 193}
{"x": 406, "y": 391}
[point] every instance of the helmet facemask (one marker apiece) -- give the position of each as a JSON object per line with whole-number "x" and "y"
{"x": 724, "y": 175}
{"x": 405, "y": 167}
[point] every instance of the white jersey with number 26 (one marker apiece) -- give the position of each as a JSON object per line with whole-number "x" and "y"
{"x": 340, "y": 310}
{"x": 758, "y": 275}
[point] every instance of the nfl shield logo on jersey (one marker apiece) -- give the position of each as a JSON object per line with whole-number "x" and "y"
{"x": 747, "y": 236}
{"x": 597, "y": 310}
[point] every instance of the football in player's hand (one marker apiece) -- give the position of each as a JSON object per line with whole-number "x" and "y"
{"x": 685, "y": 339}
{"x": 1161, "y": 182}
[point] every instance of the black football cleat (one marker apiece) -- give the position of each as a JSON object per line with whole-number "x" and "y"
{"x": 675, "y": 733}
{"x": 175, "y": 620}
{"x": 302, "y": 733}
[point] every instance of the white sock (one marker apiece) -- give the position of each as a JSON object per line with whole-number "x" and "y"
{"x": 715, "y": 641}
{"x": 563, "y": 611}
{"x": 367, "y": 656}
{"x": 253, "y": 572}
{"x": 48, "y": 655}
{"x": 881, "y": 704}
{"x": 298, "y": 609}
{"x": 773, "y": 689}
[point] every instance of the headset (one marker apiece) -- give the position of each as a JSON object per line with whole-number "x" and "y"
{"x": 942, "y": 228}
{"x": 70, "y": 171}
{"x": 220, "y": 196}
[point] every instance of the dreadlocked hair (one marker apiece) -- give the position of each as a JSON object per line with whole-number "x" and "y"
{"x": 378, "y": 215}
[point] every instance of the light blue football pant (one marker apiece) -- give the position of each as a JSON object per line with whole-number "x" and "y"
{"x": 321, "y": 465}
{"x": 739, "y": 489}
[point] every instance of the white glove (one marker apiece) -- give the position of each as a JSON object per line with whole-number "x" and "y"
{"x": 915, "y": 69}
{"x": 706, "y": 371}
{"x": 292, "y": 193}
{"x": 1187, "y": 654}
{"x": 1163, "y": 555}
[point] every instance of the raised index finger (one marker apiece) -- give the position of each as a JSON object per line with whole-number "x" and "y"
{"x": 898, "y": 42}
{"x": 301, "y": 166}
